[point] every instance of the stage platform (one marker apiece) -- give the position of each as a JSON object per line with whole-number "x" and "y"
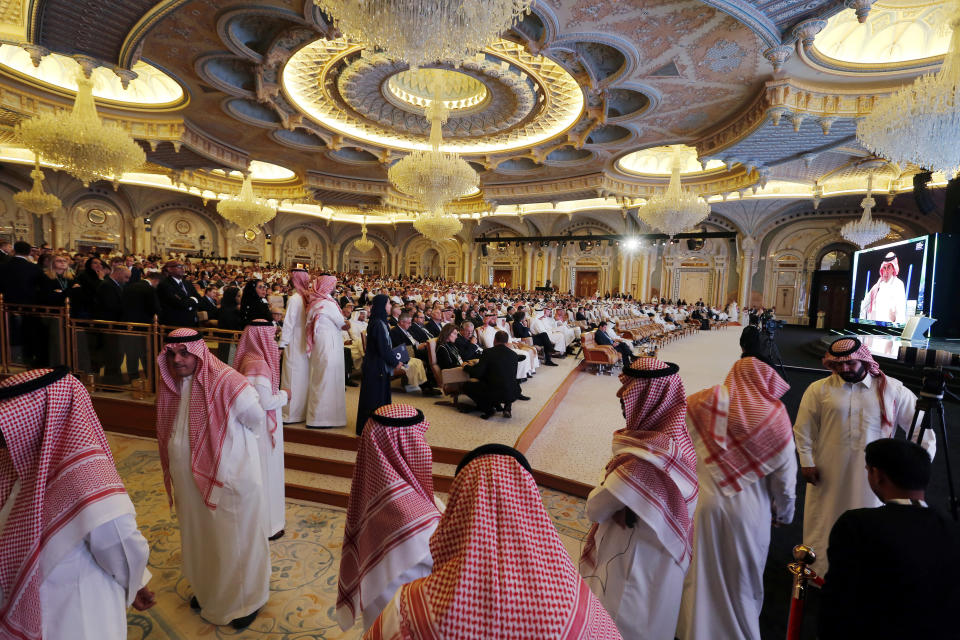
{"x": 888, "y": 346}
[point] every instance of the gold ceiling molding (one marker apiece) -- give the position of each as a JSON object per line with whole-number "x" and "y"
{"x": 13, "y": 22}
{"x": 793, "y": 101}
{"x": 212, "y": 186}
{"x": 307, "y": 82}
{"x": 209, "y": 147}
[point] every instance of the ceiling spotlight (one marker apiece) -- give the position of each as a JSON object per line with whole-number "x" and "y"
{"x": 631, "y": 244}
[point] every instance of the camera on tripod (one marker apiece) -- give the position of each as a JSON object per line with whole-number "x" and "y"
{"x": 771, "y": 326}
{"x": 933, "y": 387}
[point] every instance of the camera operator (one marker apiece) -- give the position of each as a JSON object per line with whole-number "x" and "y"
{"x": 838, "y": 416}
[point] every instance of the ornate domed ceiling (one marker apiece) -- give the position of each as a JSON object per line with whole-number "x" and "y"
{"x": 577, "y": 103}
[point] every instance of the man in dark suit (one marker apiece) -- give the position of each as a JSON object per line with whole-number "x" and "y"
{"x": 19, "y": 277}
{"x": 435, "y": 323}
{"x": 467, "y": 342}
{"x": 20, "y": 281}
{"x": 892, "y": 568}
{"x": 139, "y": 303}
{"x": 210, "y": 302}
{"x": 601, "y": 337}
{"x": 178, "y": 298}
{"x": 496, "y": 378}
{"x": 6, "y": 251}
{"x": 108, "y": 305}
{"x": 406, "y": 334}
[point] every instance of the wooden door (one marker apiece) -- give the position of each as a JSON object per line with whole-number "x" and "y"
{"x": 503, "y": 278}
{"x": 832, "y": 291}
{"x": 588, "y": 282}
{"x": 695, "y": 285}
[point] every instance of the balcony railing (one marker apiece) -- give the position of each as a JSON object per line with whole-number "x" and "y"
{"x": 112, "y": 357}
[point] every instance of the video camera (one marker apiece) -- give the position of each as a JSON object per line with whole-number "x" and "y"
{"x": 771, "y": 326}
{"x": 932, "y": 361}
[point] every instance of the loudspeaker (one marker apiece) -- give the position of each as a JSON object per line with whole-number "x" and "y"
{"x": 695, "y": 244}
{"x": 583, "y": 245}
{"x": 921, "y": 196}
{"x": 483, "y": 249}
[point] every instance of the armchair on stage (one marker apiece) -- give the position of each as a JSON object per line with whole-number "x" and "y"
{"x": 598, "y": 356}
{"x": 803, "y": 576}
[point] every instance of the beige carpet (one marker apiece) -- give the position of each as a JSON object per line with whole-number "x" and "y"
{"x": 305, "y": 561}
{"x": 575, "y": 443}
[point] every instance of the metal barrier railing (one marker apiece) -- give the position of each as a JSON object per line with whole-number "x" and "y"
{"x": 105, "y": 355}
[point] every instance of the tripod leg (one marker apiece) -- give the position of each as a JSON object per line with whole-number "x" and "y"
{"x": 942, "y": 442}
{"x": 913, "y": 425}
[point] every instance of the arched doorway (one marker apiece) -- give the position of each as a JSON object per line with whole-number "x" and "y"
{"x": 830, "y": 286}
{"x": 430, "y": 263}
{"x": 368, "y": 263}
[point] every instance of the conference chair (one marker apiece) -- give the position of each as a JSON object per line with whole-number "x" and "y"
{"x": 450, "y": 380}
{"x": 598, "y": 356}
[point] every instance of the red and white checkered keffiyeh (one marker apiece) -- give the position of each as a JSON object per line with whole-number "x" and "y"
{"x": 743, "y": 425}
{"x": 68, "y": 487}
{"x": 322, "y": 288}
{"x": 214, "y": 389}
{"x": 847, "y": 349}
{"x": 653, "y": 470}
{"x": 259, "y": 356}
{"x": 391, "y": 505}
{"x": 500, "y": 570}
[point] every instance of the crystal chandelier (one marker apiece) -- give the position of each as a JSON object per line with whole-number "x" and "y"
{"x": 675, "y": 210}
{"x": 82, "y": 144}
{"x": 866, "y": 230}
{"x": 246, "y": 210}
{"x": 363, "y": 245}
{"x": 437, "y": 226}
{"x": 434, "y": 177}
{"x": 37, "y": 200}
{"x": 919, "y": 124}
{"x": 419, "y": 32}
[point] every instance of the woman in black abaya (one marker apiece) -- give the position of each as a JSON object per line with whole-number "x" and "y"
{"x": 378, "y": 363}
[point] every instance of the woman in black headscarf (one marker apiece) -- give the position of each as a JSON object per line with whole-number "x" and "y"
{"x": 379, "y": 363}
{"x": 253, "y": 303}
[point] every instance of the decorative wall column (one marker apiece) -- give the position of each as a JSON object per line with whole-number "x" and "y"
{"x": 748, "y": 247}
{"x": 624, "y": 262}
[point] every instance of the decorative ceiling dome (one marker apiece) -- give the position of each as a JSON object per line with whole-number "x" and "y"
{"x": 896, "y": 31}
{"x": 658, "y": 161}
{"x": 415, "y": 87}
{"x": 500, "y": 101}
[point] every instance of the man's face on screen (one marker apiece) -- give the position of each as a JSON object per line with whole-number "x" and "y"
{"x": 886, "y": 271}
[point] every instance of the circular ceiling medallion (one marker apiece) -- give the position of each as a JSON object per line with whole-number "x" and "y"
{"x": 249, "y": 235}
{"x": 96, "y": 216}
{"x": 416, "y": 87}
{"x": 182, "y": 226}
{"x": 511, "y": 99}
{"x": 303, "y": 242}
{"x": 658, "y": 161}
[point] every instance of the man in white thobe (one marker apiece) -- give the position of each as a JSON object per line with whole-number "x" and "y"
{"x": 295, "y": 373}
{"x": 746, "y": 468}
{"x": 887, "y": 299}
{"x": 639, "y": 547}
{"x": 208, "y": 421}
{"x": 71, "y": 557}
{"x": 259, "y": 360}
{"x": 838, "y": 416}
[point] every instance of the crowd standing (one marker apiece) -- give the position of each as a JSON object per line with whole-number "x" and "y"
{"x": 681, "y": 516}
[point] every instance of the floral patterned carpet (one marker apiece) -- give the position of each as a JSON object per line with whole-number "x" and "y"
{"x": 305, "y": 561}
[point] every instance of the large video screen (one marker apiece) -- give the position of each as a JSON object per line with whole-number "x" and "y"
{"x": 889, "y": 283}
